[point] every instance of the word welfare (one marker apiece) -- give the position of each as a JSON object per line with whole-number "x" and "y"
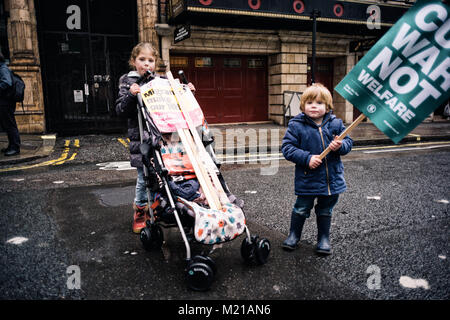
{"x": 411, "y": 49}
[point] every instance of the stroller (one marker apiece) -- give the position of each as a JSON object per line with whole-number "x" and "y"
{"x": 179, "y": 201}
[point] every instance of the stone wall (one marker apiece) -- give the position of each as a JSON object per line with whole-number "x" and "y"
{"x": 24, "y": 54}
{"x": 287, "y": 53}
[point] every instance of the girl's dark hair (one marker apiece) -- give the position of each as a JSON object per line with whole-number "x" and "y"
{"x": 2, "y": 57}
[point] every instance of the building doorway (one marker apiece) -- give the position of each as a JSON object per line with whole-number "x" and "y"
{"x": 324, "y": 72}
{"x": 230, "y": 88}
{"x": 84, "y": 49}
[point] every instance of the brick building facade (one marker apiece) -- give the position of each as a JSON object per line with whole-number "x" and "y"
{"x": 36, "y": 45}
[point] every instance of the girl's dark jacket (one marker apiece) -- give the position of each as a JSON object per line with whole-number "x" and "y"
{"x": 126, "y": 106}
{"x": 303, "y": 139}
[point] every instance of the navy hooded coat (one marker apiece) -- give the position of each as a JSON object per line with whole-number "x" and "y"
{"x": 303, "y": 139}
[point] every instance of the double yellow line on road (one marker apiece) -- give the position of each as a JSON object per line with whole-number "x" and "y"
{"x": 124, "y": 142}
{"x": 62, "y": 159}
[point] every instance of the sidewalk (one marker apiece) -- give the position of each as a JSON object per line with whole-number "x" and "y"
{"x": 241, "y": 137}
{"x": 33, "y": 146}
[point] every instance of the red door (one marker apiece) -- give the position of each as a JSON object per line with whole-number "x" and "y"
{"x": 229, "y": 88}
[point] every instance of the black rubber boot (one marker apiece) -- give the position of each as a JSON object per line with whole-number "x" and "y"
{"x": 323, "y": 235}
{"x": 295, "y": 232}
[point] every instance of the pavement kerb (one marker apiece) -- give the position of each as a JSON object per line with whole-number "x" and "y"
{"x": 43, "y": 147}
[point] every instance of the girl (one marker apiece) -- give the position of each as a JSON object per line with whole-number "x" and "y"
{"x": 144, "y": 57}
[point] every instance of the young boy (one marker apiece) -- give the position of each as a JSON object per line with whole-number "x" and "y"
{"x": 308, "y": 134}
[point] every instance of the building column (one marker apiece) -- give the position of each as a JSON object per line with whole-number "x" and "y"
{"x": 342, "y": 108}
{"x": 287, "y": 72}
{"x": 24, "y": 60}
{"x": 147, "y": 18}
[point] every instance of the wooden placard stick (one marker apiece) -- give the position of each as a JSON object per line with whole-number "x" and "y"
{"x": 344, "y": 134}
{"x": 200, "y": 172}
{"x": 198, "y": 142}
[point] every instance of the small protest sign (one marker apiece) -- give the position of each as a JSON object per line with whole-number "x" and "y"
{"x": 164, "y": 109}
{"x": 405, "y": 76}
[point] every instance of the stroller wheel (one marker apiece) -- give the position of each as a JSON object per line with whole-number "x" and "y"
{"x": 152, "y": 237}
{"x": 199, "y": 276}
{"x": 262, "y": 251}
{"x": 206, "y": 260}
{"x": 248, "y": 249}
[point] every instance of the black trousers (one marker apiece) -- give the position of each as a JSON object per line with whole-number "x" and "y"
{"x": 9, "y": 125}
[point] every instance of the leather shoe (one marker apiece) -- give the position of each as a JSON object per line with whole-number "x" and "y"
{"x": 4, "y": 150}
{"x": 12, "y": 152}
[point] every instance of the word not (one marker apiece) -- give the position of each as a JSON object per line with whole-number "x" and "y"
{"x": 400, "y": 62}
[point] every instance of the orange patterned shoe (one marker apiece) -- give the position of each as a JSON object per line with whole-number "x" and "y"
{"x": 140, "y": 216}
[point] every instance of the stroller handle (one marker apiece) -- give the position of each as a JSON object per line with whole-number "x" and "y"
{"x": 182, "y": 77}
{"x": 143, "y": 77}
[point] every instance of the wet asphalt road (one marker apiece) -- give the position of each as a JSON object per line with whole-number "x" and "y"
{"x": 393, "y": 246}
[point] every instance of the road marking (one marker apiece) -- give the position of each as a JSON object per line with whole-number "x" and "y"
{"x": 118, "y": 165}
{"x": 66, "y": 151}
{"x": 408, "y": 149}
{"x": 400, "y": 145}
{"x": 411, "y": 283}
{"x": 415, "y": 135}
{"x": 250, "y": 157}
{"x": 17, "y": 240}
{"x": 256, "y": 157}
{"x": 123, "y": 142}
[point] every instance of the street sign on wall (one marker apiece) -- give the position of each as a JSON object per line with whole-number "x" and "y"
{"x": 405, "y": 76}
{"x": 181, "y": 33}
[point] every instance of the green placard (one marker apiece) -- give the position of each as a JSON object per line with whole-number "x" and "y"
{"x": 405, "y": 76}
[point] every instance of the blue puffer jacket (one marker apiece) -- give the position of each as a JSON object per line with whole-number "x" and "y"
{"x": 303, "y": 139}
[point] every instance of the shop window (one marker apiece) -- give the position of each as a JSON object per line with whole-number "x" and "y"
{"x": 232, "y": 62}
{"x": 254, "y": 63}
{"x": 202, "y": 62}
{"x": 179, "y": 62}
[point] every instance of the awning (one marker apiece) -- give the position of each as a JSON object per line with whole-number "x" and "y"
{"x": 344, "y": 17}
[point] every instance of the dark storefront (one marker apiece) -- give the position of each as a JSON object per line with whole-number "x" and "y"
{"x": 84, "y": 48}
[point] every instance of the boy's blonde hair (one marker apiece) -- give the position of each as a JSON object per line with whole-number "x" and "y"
{"x": 137, "y": 50}
{"x": 318, "y": 92}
